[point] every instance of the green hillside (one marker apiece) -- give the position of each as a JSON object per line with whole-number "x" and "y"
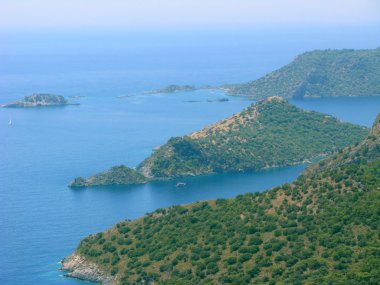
{"x": 320, "y": 73}
{"x": 321, "y": 229}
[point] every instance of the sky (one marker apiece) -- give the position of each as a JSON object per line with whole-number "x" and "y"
{"x": 83, "y": 14}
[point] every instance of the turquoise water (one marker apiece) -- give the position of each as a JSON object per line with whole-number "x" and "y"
{"x": 42, "y": 220}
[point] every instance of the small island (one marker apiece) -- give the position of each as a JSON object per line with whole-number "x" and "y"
{"x": 39, "y": 100}
{"x": 173, "y": 89}
{"x": 218, "y": 100}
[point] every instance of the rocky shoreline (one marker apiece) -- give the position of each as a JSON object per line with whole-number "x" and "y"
{"x": 79, "y": 268}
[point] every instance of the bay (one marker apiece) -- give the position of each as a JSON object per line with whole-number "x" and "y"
{"x": 42, "y": 220}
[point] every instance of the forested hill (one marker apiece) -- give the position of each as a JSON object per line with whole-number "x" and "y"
{"x": 320, "y": 73}
{"x": 270, "y": 133}
{"x": 321, "y": 229}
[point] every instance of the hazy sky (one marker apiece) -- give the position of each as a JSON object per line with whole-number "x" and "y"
{"x": 29, "y": 14}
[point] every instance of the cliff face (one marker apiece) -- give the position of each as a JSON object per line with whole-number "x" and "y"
{"x": 84, "y": 270}
{"x": 39, "y": 100}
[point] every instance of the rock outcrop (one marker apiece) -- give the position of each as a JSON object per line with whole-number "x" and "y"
{"x": 81, "y": 269}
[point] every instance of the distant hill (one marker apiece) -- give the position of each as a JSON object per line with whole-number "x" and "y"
{"x": 321, "y": 229}
{"x": 271, "y": 133}
{"x": 320, "y": 73}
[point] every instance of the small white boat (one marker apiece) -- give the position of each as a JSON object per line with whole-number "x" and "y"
{"x": 10, "y": 122}
{"x": 180, "y": 184}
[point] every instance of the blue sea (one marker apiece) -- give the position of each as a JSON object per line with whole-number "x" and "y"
{"x": 41, "y": 219}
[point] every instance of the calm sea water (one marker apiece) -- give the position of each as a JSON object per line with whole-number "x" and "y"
{"x": 41, "y": 220}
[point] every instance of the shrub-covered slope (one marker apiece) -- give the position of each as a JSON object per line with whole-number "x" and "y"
{"x": 366, "y": 150}
{"x": 320, "y": 73}
{"x": 321, "y": 229}
{"x": 270, "y": 133}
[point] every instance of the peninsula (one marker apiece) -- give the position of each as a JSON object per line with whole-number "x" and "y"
{"x": 39, "y": 100}
{"x": 321, "y": 229}
{"x": 268, "y": 134}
